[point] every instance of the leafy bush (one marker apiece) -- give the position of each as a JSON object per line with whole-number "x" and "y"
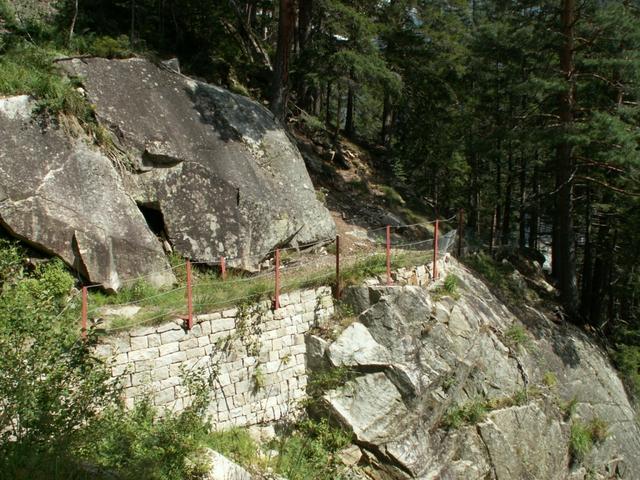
{"x": 110, "y": 47}
{"x": 308, "y": 451}
{"x": 549, "y": 379}
{"x": 61, "y": 415}
{"x": 137, "y": 444}
{"x": 516, "y": 337}
{"x": 580, "y": 442}
{"x": 494, "y": 272}
{"x": 451, "y": 284}
{"x": 469, "y": 413}
{"x": 51, "y": 384}
{"x": 627, "y": 360}
{"x": 236, "y": 444}
{"x": 583, "y": 437}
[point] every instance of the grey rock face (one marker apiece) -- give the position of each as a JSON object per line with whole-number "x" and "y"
{"x": 449, "y": 357}
{"x": 225, "y": 176}
{"x": 356, "y": 347}
{"x": 69, "y": 200}
{"x": 224, "y": 469}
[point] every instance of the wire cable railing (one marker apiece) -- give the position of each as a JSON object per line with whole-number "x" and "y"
{"x": 207, "y": 292}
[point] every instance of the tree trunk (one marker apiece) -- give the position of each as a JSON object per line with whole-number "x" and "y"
{"x": 73, "y": 20}
{"x": 387, "y": 116}
{"x": 349, "y": 125}
{"x": 522, "y": 227}
{"x": 286, "y": 23}
{"x": 327, "y": 112}
{"x": 305, "y": 11}
{"x": 498, "y": 210}
{"x": 133, "y": 22}
{"x": 565, "y": 254}
{"x": 336, "y": 134}
{"x": 506, "y": 220}
{"x": 587, "y": 265}
{"x": 599, "y": 273}
{"x": 534, "y": 221}
{"x": 494, "y": 225}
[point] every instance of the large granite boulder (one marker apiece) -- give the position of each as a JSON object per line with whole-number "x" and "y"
{"x": 67, "y": 199}
{"x": 220, "y": 169}
{"x": 483, "y": 396}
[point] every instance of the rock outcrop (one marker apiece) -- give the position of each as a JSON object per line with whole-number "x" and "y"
{"x": 208, "y": 171}
{"x": 67, "y": 199}
{"x": 224, "y": 175}
{"x": 459, "y": 388}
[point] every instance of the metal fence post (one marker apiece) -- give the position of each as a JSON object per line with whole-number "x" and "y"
{"x": 85, "y": 309}
{"x": 460, "y": 232}
{"x": 435, "y": 252}
{"x": 276, "y": 301}
{"x": 189, "y": 297}
{"x": 337, "y": 294}
{"x": 388, "y": 254}
{"x": 223, "y": 268}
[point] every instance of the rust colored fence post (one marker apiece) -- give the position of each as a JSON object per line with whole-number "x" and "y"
{"x": 223, "y": 268}
{"x": 460, "y": 232}
{"x": 85, "y": 309}
{"x": 388, "y": 254}
{"x": 276, "y": 300}
{"x": 189, "y": 297}
{"x": 435, "y": 251}
{"x": 337, "y": 293}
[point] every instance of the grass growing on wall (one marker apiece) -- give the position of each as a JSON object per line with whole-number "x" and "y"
{"x": 211, "y": 293}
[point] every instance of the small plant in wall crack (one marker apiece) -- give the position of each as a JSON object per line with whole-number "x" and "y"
{"x": 249, "y": 326}
{"x": 259, "y": 378}
{"x": 584, "y": 436}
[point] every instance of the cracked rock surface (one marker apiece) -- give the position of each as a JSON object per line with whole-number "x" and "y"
{"x": 213, "y": 172}
{"x": 427, "y": 362}
{"x": 224, "y": 174}
{"x": 67, "y": 199}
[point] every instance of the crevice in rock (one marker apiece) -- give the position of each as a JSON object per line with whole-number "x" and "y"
{"x": 154, "y": 217}
{"x": 156, "y": 160}
{"x": 487, "y": 451}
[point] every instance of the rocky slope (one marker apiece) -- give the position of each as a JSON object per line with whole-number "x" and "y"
{"x": 211, "y": 171}
{"x": 456, "y": 387}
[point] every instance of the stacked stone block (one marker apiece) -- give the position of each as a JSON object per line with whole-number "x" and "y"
{"x": 254, "y": 358}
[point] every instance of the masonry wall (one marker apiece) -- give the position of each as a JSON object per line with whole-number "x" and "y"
{"x": 253, "y": 357}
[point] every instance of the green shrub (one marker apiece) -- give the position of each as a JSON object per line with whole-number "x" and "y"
{"x": 494, "y": 272}
{"x": 137, "y": 444}
{"x": 52, "y": 386}
{"x": 516, "y": 336}
{"x": 308, "y": 451}
{"x": 61, "y": 410}
{"x": 235, "y": 443}
{"x": 469, "y": 413}
{"x": 583, "y": 437}
{"x": 11, "y": 261}
{"x": 110, "y": 47}
{"x": 450, "y": 284}
{"x": 549, "y": 379}
{"x": 580, "y": 442}
{"x": 627, "y": 360}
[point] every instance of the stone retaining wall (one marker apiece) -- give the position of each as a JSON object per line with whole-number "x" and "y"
{"x": 254, "y": 358}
